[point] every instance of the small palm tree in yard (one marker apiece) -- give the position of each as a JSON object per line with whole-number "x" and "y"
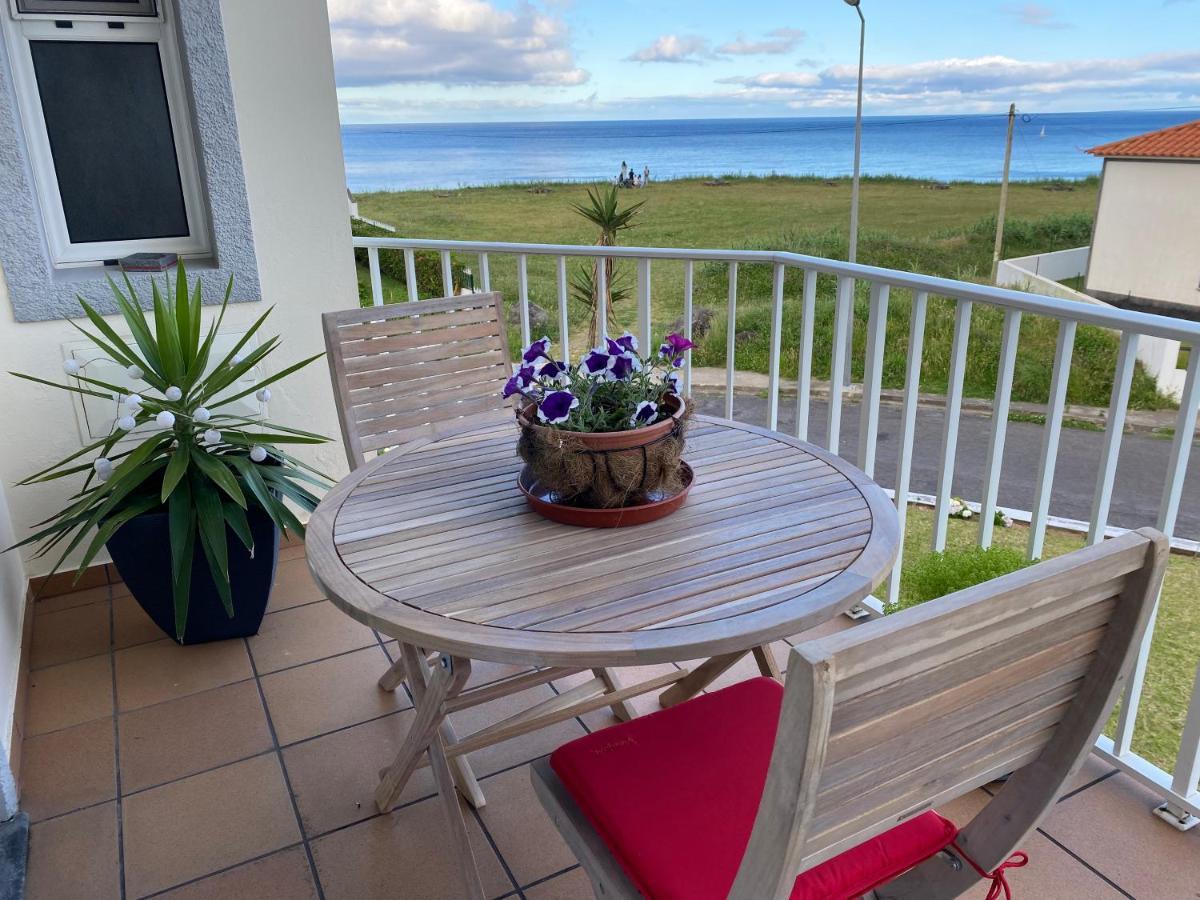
{"x": 202, "y": 478}
{"x": 603, "y": 209}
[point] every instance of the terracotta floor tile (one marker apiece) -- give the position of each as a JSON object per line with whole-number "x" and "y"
{"x": 65, "y": 770}
{"x": 132, "y": 625}
{"x": 519, "y": 750}
{"x": 747, "y": 668}
{"x": 75, "y": 857}
{"x": 523, "y": 832}
{"x": 163, "y": 670}
{"x": 1052, "y": 875}
{"x": 281, "y": 876}
{"x": 119, "y": 588}
{"x": 200, "y": 731}
{"x": 574, "y": 885}
{"x": 59, "y": 602}
{"x": 833, "y": 626}
{"x": 333, "y": 777}
{"x": 291, "y": 549}
{"x": 402, "y": 856}
{"x": 304, "y": 634}
{"x": 204, "y": 823}
{"x": 69, "y": 694}
{"x": 70, "y": 634}
{"x": 321, "y": 696}
{"x": 294, "y": 585}
{"x": 1110, "y": 827}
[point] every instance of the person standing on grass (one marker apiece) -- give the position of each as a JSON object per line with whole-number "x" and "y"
{"x": 624, "y": 172}
{"x": 645, "y": 176}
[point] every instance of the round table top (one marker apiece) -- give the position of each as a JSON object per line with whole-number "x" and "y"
{"x": 433, "y": 544}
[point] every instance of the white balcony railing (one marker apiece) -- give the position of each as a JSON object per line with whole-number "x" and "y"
{"x": 1180, "y": 787}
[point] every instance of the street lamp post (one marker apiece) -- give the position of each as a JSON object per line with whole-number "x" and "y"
{"x": 862, "y": 42}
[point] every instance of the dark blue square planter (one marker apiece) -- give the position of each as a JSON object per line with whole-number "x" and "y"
{"x": 141, "y": 551}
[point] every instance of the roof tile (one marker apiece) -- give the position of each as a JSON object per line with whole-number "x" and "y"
{"x": 1177, "y": 142}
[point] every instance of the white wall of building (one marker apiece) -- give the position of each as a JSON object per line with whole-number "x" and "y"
{"x": 286, "y": 106}
{"x": 12, "y": 610}
{"x": 1146, "y": 242}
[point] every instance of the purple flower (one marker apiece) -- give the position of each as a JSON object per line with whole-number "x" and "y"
{"x": 626, "y": 343}
{"x": 598, "y": 364}
{"x": 674, "y": 383}
{"x": 552, "y": 369}
{"x": 673, "y": 348}
{"x": 536, "y": 350}
{"x": 646, "y": 412}
{"x": 556, "y": 407}
{"x": 623, "y": 366}
{"x": 521, "y": 380}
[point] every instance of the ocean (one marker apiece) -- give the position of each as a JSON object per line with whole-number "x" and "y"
{"x": 945, "y": 148}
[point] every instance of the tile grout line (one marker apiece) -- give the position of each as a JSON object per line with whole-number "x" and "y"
{"x": 540, "y": 881}
{"x": 1083, "y": 862}
{"x": 222, "y": 870}
{"x": 487, "y": 836}
{"x": 287, "y": 781}
{"x": 116, "y": 718}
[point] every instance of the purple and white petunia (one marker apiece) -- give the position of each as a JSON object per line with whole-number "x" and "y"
{"x": 556, "y": 407}
{"x": 674, "y": 382}
{"x": 673, "y": 348}
{"x": 520, "y": 382}
{"x": 556, "y": 370}
{"x": 537, "y": 350}
{"x": 625, "y": 365}
{"x": 598, "y": 364}
{"x": 626, "y": 343}
{"x": 646, "y": 412}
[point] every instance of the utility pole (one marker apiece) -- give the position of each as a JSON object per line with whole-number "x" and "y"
{"x": 1012, "y": 117}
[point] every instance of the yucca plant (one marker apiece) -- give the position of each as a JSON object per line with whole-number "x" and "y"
{"x": 603, "y": 209}
{"x": 203, "y": 466}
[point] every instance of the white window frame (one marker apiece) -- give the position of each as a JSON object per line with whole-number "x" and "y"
{"x": 20, "y": 29}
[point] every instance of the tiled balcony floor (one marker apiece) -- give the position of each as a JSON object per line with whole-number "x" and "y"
{"x": 245, "y": 770}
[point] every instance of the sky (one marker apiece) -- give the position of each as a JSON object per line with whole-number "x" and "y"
{"x": 538, "y": 60}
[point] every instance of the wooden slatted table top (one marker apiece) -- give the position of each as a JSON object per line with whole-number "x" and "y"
{"x": 433, "y": 543}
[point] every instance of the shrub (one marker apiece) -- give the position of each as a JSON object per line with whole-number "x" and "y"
{"x": 391, "y": 263}
{"x": 938, "y": 574}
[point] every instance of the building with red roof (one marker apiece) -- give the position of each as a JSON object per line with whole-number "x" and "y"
{"x": 1145, "y": 251}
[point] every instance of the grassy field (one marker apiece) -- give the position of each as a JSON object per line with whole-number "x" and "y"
{"x": 911, "y": 225}
{"x": 1173, "y": 654}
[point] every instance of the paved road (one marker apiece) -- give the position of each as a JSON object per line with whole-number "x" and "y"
{"x": 1137, "y": 492}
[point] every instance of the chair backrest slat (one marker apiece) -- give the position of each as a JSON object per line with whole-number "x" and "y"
{"x": 885, "y": 721}
{"x": 408, "y": 370}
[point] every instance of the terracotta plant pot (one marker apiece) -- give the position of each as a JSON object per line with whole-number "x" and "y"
{"x": 613, "y": 440}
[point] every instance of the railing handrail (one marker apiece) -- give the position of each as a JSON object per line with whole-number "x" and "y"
{"x": 1038, "y": 304}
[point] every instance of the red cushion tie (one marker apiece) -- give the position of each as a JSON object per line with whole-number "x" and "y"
{"x": 1000, "y": 886}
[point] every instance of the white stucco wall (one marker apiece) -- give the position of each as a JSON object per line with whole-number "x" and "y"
{"x": 1146, "y": 241}
{"x": 12, "y": 609}
{"x": 282, "y": 73}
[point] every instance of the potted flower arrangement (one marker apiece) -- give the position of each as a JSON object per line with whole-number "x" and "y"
{"x": 607, "y": 432}
{"x": 202, "y": 483}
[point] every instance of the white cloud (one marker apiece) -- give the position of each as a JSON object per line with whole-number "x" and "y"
{"x": 673, "y": 48}
{"x": 777, "y": 41}
{"x": 1035, "y": 16}
{"x": 450, "y": 42}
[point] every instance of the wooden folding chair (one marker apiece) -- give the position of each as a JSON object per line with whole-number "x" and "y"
{"x": 405, "y": 372}
{"x": 876, "y": 726}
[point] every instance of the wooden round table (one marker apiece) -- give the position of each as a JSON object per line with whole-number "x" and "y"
{"x": 433, "y": 544}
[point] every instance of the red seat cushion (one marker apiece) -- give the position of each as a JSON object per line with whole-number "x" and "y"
{"x": 674, "y": 795}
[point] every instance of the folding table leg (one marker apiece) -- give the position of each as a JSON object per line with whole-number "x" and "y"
{"x": 621, "y": 709}
{"x": 460, "y": 767}
{"x": 767, "y": 664}
{"x": 459, "y": 838}
{"x": 699, "y": 678}
{"x": 393, "y": 677}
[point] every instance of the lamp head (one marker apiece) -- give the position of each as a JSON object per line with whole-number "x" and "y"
{"x": 852, "y": 2}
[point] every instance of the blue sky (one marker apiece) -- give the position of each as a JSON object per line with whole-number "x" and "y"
{"x": 519, "y": 60}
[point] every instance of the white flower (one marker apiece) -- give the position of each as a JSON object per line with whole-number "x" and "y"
{"x": 966, "y": 513}
{"x": 258, "y": 454}
{"x": 135, "y": 373}
{"x": 201, "y": 414}
{"x": 105, "y": 475}
{"x": 1006, "y": 521}
{"x": 133, "y": 401}
{"x": 165, "y": 418}
{"x": 127, "y": 423}
{"x": 212, "y": 436}
{"x": 173, "y": 393}
{"x": 264, "y": 395}
{"x": 72, "y": 367}
{"x": 102, "y": 464}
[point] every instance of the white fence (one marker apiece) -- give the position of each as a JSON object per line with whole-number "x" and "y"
{"x": 1180, "y": 788}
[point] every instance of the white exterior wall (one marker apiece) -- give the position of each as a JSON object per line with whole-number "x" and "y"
{"x": 1147, "y": 238}
{"x": 282, "y": 74}
{"x": 12, "y": 609}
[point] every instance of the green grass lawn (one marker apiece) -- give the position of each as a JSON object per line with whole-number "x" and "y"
{"x": 906, "y": 224}
{"x": 1173, "y": 656}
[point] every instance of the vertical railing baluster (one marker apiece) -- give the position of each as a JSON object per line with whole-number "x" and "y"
{"x": 908, "y": 428}
{"x": 804, "y": 364}
{"x": 1053, "y": 430}
{"x": 485, "y": 273}
{"x": 1186, "y": 778}
{"x": 689, "y": 274}
{"x": 868, "y": 431}
{"x": 376, "y": 277}
{"x": 1114, "y": 429}
{"x": 447, "y": 275}
{"x": 601, "y": 300}
{"x": 564, "y": 325}
{"x": 643, "y": 287}
{"x": 1168, "y": 511}
{"x": 837, "y": 368}
{"x": 731, "y": 340}
{"x": 523, "y": 297}
{"x": 410, "y": 275}
{"x": 954, "y": 395}
{"x": 1010, "y": 336}
{"x": 776, "y": 344}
